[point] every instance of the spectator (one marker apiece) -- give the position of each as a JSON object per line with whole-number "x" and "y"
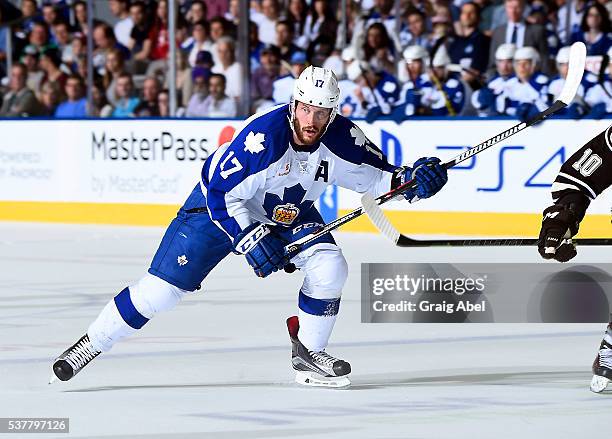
{"x": 157, "y": 45}
{"x": 377, "y": 91}
{"x": 163, "y": 103}
{"x": 417, "y": 91}
{"x": 50, "y": 97}
{"x": 20, "y": 101}
{"x": 266, "y": 21}
{"x": 219, "y": 28}
{"x": 595, "y": 30}
{"x": 29, "y": 10}
{"x": 50, "y": 62}
{"x": 218, "y": 104}
{"x": 321, "y": 21}
{"x": 63, "y": 42}
{"x": 138, "y": 35}
{"x": 282, "y": 88}
{"x": 519, "y": 33}
{"x": 148, "y": 105}
{"x": 124, "y": 97}
{"x": 320, "y": 50}
{"x": 378, "y": 50}
{"x": 78, "y": 49}
{"x": 491, "y": 99}
{"x": 49, "y": 17}
{"x": 198, "y": 12}
{"x": 265, "y": 75}
{"x": 199, "y": 41}
{"x": 232, "y": 14}
{"x": 255, "y": 46}
{"x": 101, "y": 107}
{"x": 538, "y": 14}
{"x": 80, "y": 15}
{"x": 75, "y": 104}
{"x": 470, "y": 47}
{"x": 576, "y": 13}
{"x": 228, "y": 67}
{"x": 297, "y": 12}
{"x": 527, "y": 92}
{"x": 284, "y": 40}
{"x": 599, "y": 96}
{"x": 104, "y": 39}
{"x": 415, "y": 33}
{"x": 200, "y": 77}
{"x": 123, "y": 27}
{"x": 112, "y": 70}
{"x": 39, "y": 36}
{"x": 382, "y": 12}
{"x": 30, "y": 59}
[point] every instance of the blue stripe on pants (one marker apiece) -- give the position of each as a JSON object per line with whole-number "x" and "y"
{"x": 128, "y": 311}
{"x": 319, "y": 307}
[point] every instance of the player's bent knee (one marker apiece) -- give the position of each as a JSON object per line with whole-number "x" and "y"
{"x": 151, "y": 295}
{"x": 326, "y": 273}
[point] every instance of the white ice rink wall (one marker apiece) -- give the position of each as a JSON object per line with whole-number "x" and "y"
{"x": 139, "y": 171}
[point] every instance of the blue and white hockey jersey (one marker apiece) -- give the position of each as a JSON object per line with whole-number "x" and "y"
{"x": 260, "y": 177}
{"x": 599, "y": 98}
{"x": 533, "y": 92}
{"x": 491, "y": 100}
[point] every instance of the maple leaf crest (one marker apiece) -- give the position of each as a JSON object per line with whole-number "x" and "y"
{"x": 360, "y": 138}
{"x": 254, "y": 142}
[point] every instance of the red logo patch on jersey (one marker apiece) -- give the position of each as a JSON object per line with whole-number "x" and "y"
{"x": 285, "y": 214}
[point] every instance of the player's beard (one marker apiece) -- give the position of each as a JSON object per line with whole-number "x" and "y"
{"x": 301, "y": 132}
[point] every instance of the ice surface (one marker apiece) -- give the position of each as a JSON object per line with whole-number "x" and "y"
{"x": 218, "y": 365}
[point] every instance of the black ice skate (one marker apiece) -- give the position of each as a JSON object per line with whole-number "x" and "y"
{"x": 602, "y": 366}
{"x": 73, "y": 359}
{"x": 318, "y": 369}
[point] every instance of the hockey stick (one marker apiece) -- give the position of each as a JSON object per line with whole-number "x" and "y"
{"x": 383, "y": 224}
{"x": 574, "y": 76}
{"x": 575, "y": 71}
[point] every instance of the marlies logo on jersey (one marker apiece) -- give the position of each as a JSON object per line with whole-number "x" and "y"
{"x": 182, "y": 260}
{"x": 285, "y": 213}
{"x": 254, "y": 142}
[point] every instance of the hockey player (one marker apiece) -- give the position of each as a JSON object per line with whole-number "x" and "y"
{"x": 255, "y": 196}
{"x": 377, "y": 90}
{"x": 491, "y": 100}
{"x": 527, "y": 92}
{"x": 584, "y": 176}
{"x": 439, "y": 93}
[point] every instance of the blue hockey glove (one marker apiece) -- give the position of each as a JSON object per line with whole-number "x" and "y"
{"x": 430, "y": 176}
{"x": 526, "y": 111}
{"x": 485, "y": 98}
{"x": 263, "y": 250}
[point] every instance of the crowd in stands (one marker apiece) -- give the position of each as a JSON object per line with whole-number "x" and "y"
{"x": 436, "y": 58}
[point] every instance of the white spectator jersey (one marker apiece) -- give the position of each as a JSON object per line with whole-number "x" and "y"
{"x": 260, "y": 176}
{"x": 497, "y": 85}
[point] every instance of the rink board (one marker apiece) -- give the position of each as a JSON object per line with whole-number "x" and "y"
{"x": 138, "y": 172}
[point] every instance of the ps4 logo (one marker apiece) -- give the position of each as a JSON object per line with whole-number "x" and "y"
{"x": 319, "y": 83}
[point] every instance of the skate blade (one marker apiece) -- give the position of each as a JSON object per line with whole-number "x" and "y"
{"x": 599, "y": 384}
{"x": 312, "y": 379}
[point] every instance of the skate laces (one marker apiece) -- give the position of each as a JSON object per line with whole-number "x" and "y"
{"x": 605, "y": 358}
{"x": 323, "y": 358}
{"x": 81, "y": 354}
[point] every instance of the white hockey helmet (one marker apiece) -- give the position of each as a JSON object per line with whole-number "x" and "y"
{"x": 415, "y": 53}
{"x": 316, "y": 86}
{"x": 563, "y": 55}
{"x": 505, "y": 51}
{"x": 349, "y": 54}
{"x": 441, "y": 57}
{"x": 527, "y": 53}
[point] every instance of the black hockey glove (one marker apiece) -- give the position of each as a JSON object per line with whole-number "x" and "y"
{"x": 559, "y": 224}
